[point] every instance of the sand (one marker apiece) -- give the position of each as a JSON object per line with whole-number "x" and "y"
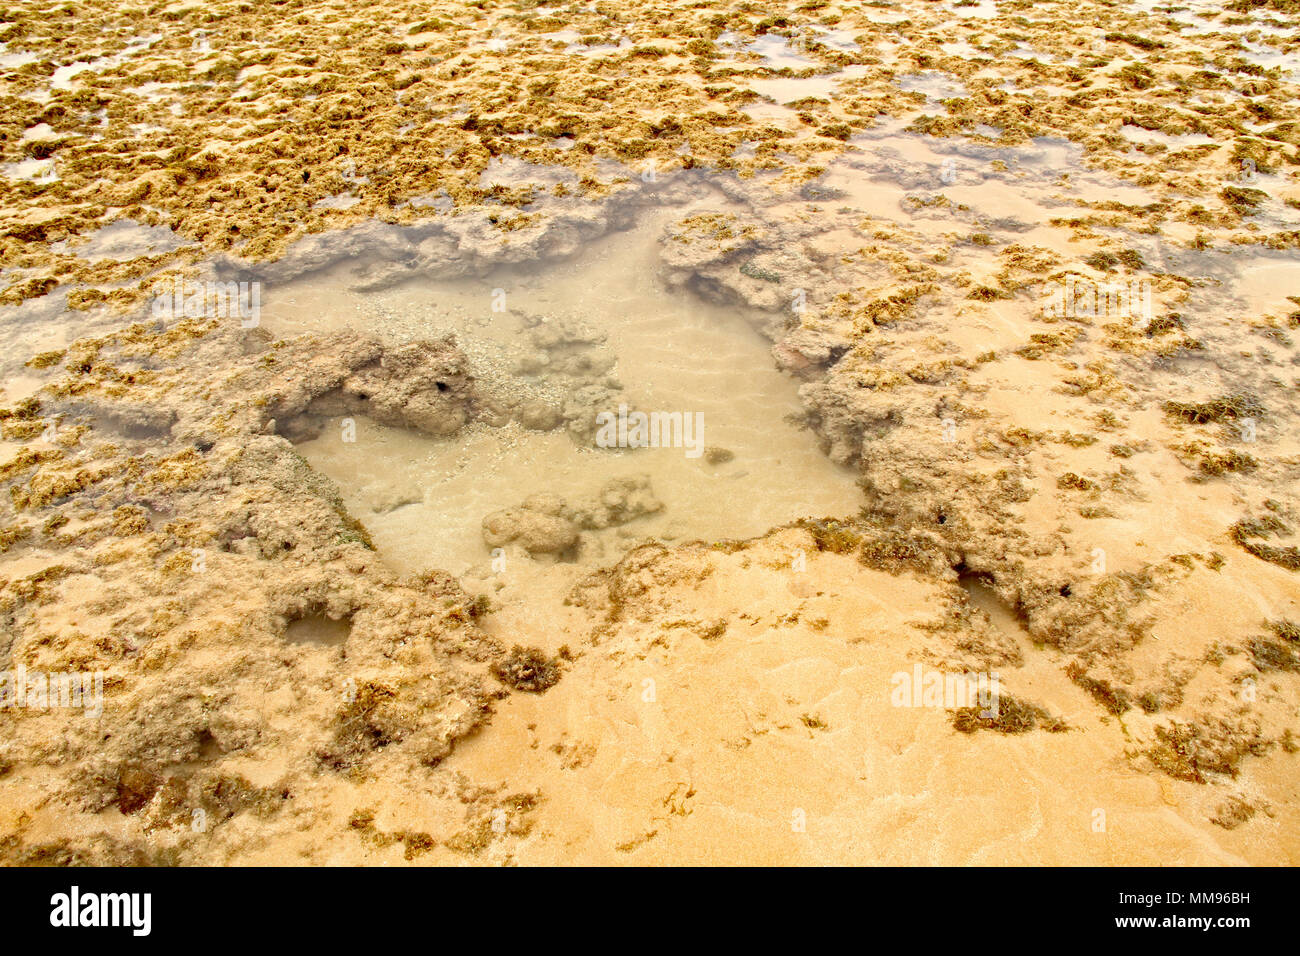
{"x": 362, "y": 585}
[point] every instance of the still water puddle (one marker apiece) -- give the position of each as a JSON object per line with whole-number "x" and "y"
{"x": 424, "y": 499}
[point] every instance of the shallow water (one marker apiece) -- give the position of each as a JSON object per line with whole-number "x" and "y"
{"x": 936, "y": 86}
{"x": 424, "y": 499}
{"x": 1017, "y": 189}
{"x": 123, "y": 239}
{"x": 789, "y": 89}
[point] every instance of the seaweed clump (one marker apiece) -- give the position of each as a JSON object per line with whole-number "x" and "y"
{"x": 1104, "y": 261}
{"x": 1133, "y": 39}
{"x": 837, "y": 537}
{"x": 1279, "y": 655}
{"x": 1188, "y": 752}
{"x": 1014, "y": 716}
{"x": 1246, "y": 531}
{"x": 364, "y": 725}
{"x": 1218, "y": 463}
{"x": 527, "y": 668}
{"x": 758, "y": 272}
{"x": 1114, "y": 699}
{"x": 1226, "y": 408}
{"x": 1243, "y": 198}
{"x": 1287, "y": 631}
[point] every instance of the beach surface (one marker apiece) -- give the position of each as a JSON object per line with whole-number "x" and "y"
{"x": 967, "y": 532}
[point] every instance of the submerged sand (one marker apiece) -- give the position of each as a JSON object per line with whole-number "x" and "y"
{"x": 360, "y": 584}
